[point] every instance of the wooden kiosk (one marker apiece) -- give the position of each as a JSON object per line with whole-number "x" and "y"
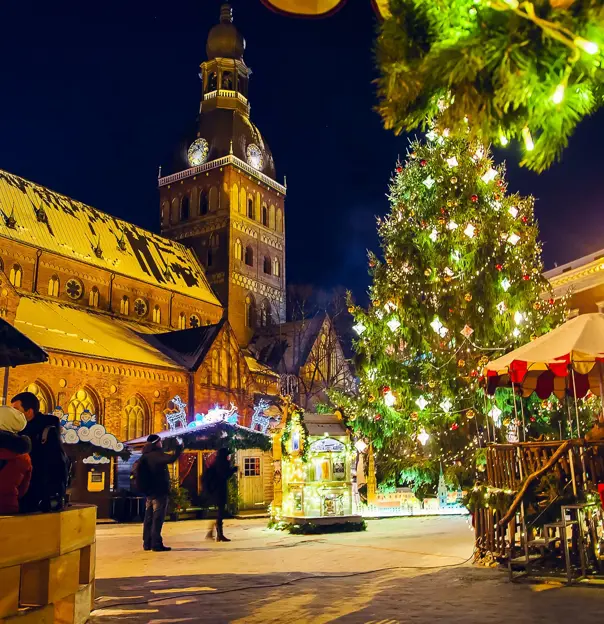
{"x": 313, "y": 458}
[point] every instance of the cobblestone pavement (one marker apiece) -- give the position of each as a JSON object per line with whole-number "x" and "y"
{"x": 399, "y": 570}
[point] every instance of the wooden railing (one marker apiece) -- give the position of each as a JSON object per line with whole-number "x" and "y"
{"x": 578, "y": 465}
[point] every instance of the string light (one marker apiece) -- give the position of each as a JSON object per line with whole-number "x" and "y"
{"x": 587, "y": 46}
{"x": 558, "y": 95}
{"x": 528, "y": 139}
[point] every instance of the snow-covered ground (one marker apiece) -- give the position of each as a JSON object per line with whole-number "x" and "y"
{"x": 399, "y": 570}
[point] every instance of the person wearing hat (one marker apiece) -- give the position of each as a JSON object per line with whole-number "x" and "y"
{"x": 153, "y": 480}
{"x": 15, "y": 463}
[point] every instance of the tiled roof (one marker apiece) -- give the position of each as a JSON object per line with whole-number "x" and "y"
{"x": 188, "y": 347}
{"x": 60, "y": 327}
{"x": 37, "y": 216}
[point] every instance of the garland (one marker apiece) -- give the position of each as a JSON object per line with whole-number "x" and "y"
{"x": 287, "y": 432}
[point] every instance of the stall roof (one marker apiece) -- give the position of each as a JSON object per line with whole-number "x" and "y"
{"x": 17, "y": 349}
{"x": 210, "y": 437}
{"x": 320, "y": 424}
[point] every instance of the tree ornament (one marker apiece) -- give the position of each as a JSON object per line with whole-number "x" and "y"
{"x": 399, "y": 169}
{"x": 467, "y": 331}
{"x": 428, "y": 272}
{"x": 423, "y": 162}
{"x": 377, "y": 417}
{"x": 499, "y": 267}
{"x": 474, "y": 198}
{"x": 432, "y": 383}
{"x": 371, "y": 398}
{"x": 526, "y": 277}
{"x": 454, "y": 427}
{"x": 470, "y": 414}
{"x": 389, "y": 260}
{"x": 461, "y": 363}
{"x": 414, "y": 415}
{"x": 351, "y": 310}
{"x": 468, "y": 297}
{"x": 453, "y": 180}
{"x": 413, "y": 155}
{"x": 524, "y": 219}
{"x": 500, "y": 184}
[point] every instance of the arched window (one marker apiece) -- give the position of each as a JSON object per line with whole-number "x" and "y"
{"x": 137, "y": 422}
{"x": 250, "y": 311}
{"x": 264, "y": 215}
{"x": 215, "y": 240}
{"x": 53, "y": 286}
{"x": 165, "y": 213}
{"x": 213, "y": 199}
{"x": 210, "y": 261}
{"x": 185, "y": 208}
{"x": 276, "y": 267}
{"x": 242, "y": 201}
{"x": 182, "y": 321}
{"x": 125, "y": 306}
{"x": 212, "y": 81}
{"x": 279, "y": 223}
{"x": 93, "y": 297}
{"x": 157, "y": 314}
{"x": 227, "y": 81}
{"x": 174, "y": 213}
{"x": 234, "y": 198}
{"x": 322, "y": 361}
{"x": 203, "y": 203}
{"x": 82, "y": 400}
{"x": 238, "y": 250}
{"x": 250, "y": 207}
{"x": 271, "y": 217}
{"x": 16, "y": 276}
{"x": 194, "y": 321}
{"x": 265, "y": 314}
{"x": 43, "y": 395}
{"x": 267, "y": 265}
{"x": 249, "y": 256}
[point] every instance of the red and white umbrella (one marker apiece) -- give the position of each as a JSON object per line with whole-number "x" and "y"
{"x": 569, "y": 359}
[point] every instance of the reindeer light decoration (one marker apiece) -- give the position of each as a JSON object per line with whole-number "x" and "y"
{"x": 259, "y": 419}
{"x": 178, "y": 418}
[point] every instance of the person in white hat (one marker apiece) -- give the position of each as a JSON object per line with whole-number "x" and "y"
{"x": 15, "y": 463}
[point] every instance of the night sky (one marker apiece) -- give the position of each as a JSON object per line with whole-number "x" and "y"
{"x": 96, "y": 95}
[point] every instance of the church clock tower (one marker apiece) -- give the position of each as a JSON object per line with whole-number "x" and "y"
{"x": 224, "y": 200}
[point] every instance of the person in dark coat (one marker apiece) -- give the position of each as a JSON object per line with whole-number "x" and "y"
{"x": 15, "y": 463}
{"x": 156, "y": 486}
{"x": 47, "y": 488}
{"x": 216, "y": 486}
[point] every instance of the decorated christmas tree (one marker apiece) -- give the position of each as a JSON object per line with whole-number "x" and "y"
{"x": 460, "y": 283}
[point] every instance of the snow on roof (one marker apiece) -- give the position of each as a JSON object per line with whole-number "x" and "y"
{"x": 37, "y": 216}
{"x": 61, "y": 327}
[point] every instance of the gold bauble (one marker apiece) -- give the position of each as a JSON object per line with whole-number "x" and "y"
{"x": 470, "y": 414}
{"x": 461, "y": 363}
{"x": 351, "y": 310}
{"x": 376, "y": 303}
{"x": 414, "y": 415}
{"x": 371, "y": 398}
{"x": 468, "y": 297}
{"x": 432, "y": 383}
{"x": 448, "y": 278}
{"x": 506, "y": 422}
{"x": 428, "y": 272}
{"x": 453, "y": 180}
{"x": 449, "y": 203}
{"x": 442, "y": 221}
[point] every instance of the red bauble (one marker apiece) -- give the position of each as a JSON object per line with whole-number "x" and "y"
{"x": 377, "y": 417}
{"x": 526, "y": 278}
{"x": 474, "y": 198}
{"x": 454, "y": 427}
{"x": 423, "y": 163}
{"x": 399, "y": 169}
{"x": 525, "y": 219}
{"x": 533, "y": 419}
{"x": 500, "y": 183}
{"x": 386, "y": 389}
{"x": 499, "y": 267}
{"x": 551, "y": 301}
{"x": 474, "y": 373}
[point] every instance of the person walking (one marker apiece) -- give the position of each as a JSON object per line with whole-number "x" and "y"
{"x": 153, "y": 480}
{"x": 15, "y": 463}
{"x": 215, "y": 481}
{"x": 50, "y": 465}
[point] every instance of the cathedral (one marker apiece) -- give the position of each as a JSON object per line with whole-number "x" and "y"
{"x": 130, "y": 318}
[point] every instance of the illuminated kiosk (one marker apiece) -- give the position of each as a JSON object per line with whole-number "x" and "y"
{"x": 313, "y": 454}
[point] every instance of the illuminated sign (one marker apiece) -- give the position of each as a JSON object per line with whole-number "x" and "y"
{"x": 327, "y": 445}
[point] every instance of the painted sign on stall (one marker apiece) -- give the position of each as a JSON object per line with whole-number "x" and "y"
{"x": 327, "y": 445}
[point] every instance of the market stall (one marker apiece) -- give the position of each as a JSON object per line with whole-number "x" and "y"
{"x": 205, "y": 435}
{"x": 538, "y": 507}
{"x": 313, "y": 456}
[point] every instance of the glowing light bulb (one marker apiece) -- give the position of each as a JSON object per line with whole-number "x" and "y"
{"x": 528, "y": 139}
{"x": 503, "y": 139}
{"x": 587, "y": 46}
{"x": 389, "y": 399}
{"x": 558, "y": 95}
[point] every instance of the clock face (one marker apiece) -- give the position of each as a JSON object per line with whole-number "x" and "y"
{"x": 254, "y": 156}
{"x": 198, "y": 152}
